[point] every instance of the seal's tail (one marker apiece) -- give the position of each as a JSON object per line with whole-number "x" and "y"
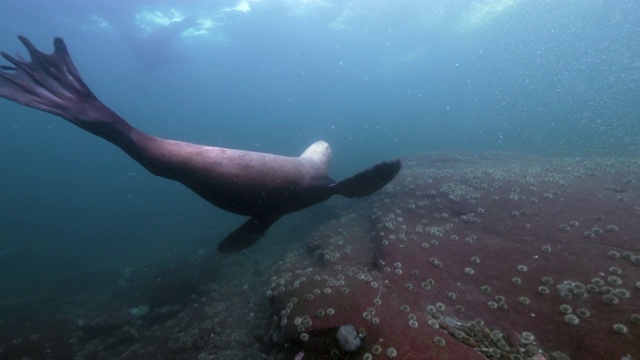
{"x": 368, "y": 181}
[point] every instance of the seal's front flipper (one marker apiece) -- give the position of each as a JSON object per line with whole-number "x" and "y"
{"x": 246, "y": 235}
{"x": 368, "y": 181}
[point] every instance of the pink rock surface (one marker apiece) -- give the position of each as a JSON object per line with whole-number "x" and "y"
{"x": 451, "y": 261}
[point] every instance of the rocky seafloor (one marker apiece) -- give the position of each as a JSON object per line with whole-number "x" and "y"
{"x": 490, "y": 256}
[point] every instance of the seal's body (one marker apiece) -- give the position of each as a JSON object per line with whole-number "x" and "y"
{"x": 262, "y": 186}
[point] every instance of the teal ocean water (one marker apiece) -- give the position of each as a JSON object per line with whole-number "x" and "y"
{"x": 375, "y": 79}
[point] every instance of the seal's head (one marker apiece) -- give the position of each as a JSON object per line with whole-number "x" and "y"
{"x": 318, "y": 152}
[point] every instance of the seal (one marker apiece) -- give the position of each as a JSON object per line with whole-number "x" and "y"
{"x": 263, "y": 186}
{"x": 155, "y": 48}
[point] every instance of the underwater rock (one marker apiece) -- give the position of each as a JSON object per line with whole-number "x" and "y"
{"x": 348, "y": 338}
{"x": 488, "y": 256}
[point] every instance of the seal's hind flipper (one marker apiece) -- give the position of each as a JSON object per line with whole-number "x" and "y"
{"x": 368, "y": 181}
{"x": 48, "y": 82}
{"x": 246, "y": 235}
